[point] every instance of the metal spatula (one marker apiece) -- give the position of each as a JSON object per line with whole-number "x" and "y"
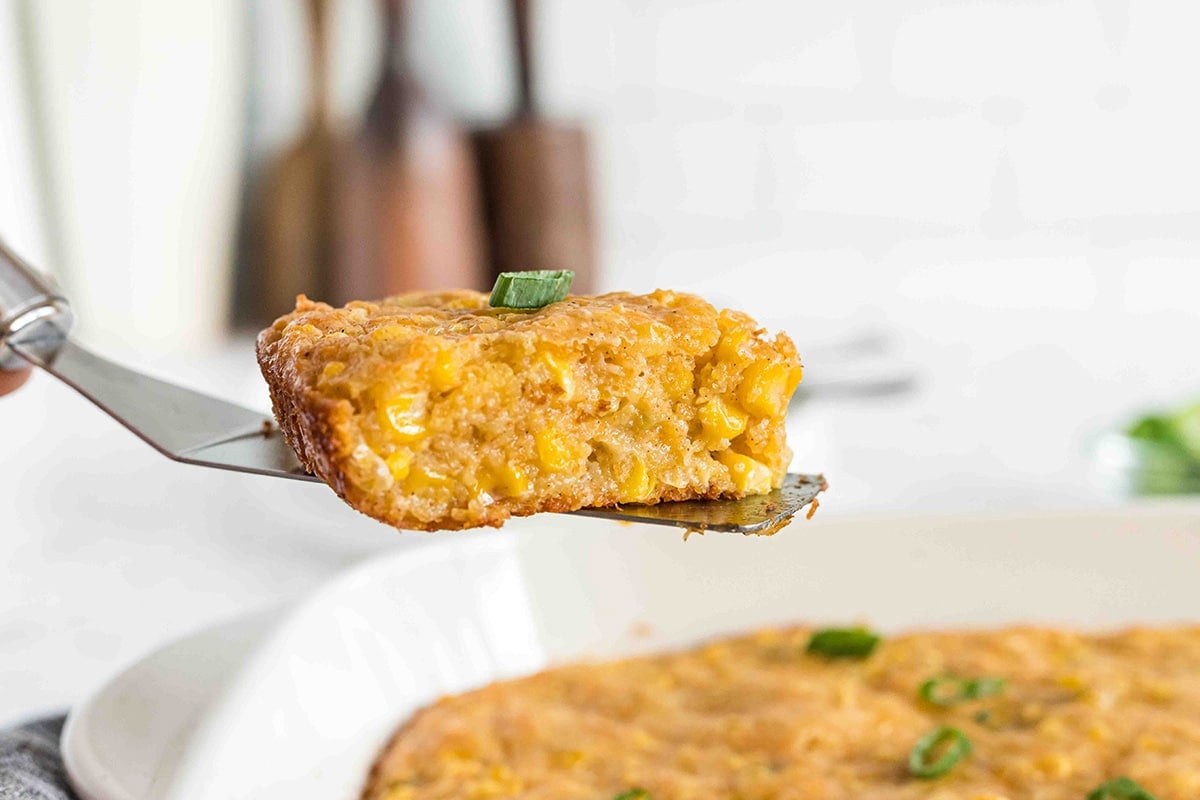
{"x": 195, "y": 428}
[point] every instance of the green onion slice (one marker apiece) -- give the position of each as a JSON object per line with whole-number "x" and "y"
{"x": 1119, "y": 789}
{"x": 843, "y": 643}
{"x": 532, "y": 289}
{"x": 937, "y": 752}
{"x": 636, "y": 793}
{"x": 949, "y": 691}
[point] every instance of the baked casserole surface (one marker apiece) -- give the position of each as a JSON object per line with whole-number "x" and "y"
{"x": 435, "y": 411}
{"x": 757, "y": 717}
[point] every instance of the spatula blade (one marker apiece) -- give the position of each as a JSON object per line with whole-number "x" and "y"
{"x": 260, "y": 452}
{"x": 194, "y": 428}
{"x": 761, "y": 514}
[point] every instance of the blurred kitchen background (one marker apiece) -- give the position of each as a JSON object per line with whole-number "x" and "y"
{"x": 979, "y": 220}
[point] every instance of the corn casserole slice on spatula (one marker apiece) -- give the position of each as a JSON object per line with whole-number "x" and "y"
{"x": 194, "y": 428}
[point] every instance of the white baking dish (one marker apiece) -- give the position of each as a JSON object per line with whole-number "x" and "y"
{"x": 296, "y": 704}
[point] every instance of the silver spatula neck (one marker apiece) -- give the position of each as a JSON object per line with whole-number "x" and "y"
{"x": 33, "y": 312}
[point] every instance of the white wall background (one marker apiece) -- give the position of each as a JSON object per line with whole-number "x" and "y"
{"x": 137, "y": 107}
{"x": 20, "y": 221}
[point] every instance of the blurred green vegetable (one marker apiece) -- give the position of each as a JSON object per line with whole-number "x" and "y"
{"x": 1168, "y": 451}
{"x": 1187, "y": 428}
{"x": 1154, "y": 428}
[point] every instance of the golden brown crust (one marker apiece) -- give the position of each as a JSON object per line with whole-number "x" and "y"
{"x": 329, "y": 371}
{"x": 755, "y": 716}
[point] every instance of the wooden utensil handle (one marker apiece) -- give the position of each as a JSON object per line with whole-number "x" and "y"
{"x": 393, "y": 33}
{"x": 523, "y": 38}
{"x": 536, "y": 183}
{"x": 318, "y": 11}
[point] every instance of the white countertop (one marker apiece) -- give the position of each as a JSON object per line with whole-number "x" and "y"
{"x": 108, "y": 549}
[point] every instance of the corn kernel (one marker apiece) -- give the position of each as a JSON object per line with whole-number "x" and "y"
{"x": 501, "y": 783}
{"x": 509, "y": 480}
{"x": 332, "y": 370}
{"x": 555, "y": 451}
{"x": 386, "y": 333}
{"x": 642, "y": 738}
{"x": 721, "y": 419}
{"x": 505, "y": 775}
{"x": 566, "y": 759}
{"x": 729, "y": 348}
{"x": 636, "y": 484}
{"x": 653, "y": 338}
{"x": 420, "y": 478}
{"x": 399, "y": 791}
{"x": 1156, "y": 691}
{"x": 795, "y": 375}
{"x": 302, "y": 328}
{"x": 403, "y": 414}
{"x": 678, "y": 379}
{"x": 1055, "y": 765}
{"x": 1052, "y": 728}
{"x": 766, "y": 636}
{"x": 764, "y": 389}
{"x": 560, "y": 371}
{"x": 1151, "y": 743}
{"x": 398, "y": 463}
{"x": 445, "y": 374}
{"x": 748, "y": 475}
{"x": 1072, "y": 683}
{"x": 460, "y": 752}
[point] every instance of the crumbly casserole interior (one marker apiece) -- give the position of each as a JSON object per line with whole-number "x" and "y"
{"x": 758, "y": 717}
{"x": 435, "y": 411}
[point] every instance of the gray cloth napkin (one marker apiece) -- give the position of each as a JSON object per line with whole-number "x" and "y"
{"x": 31, "y": 766}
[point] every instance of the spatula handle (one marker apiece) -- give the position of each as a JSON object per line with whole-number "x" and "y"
{"x": 33, "y": 312}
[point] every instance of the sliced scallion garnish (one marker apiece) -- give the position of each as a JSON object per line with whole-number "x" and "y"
{"x": 636, "y": 793}
{"x": 843, "y": 643}
{"x": 529, "y": 290}
{"x": 1120, "y": 789}
{"x": 949, "y": 691}
{"x": 937, "y": 752}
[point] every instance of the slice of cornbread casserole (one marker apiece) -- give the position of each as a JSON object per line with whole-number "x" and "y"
{"x": 435, "y": 411}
